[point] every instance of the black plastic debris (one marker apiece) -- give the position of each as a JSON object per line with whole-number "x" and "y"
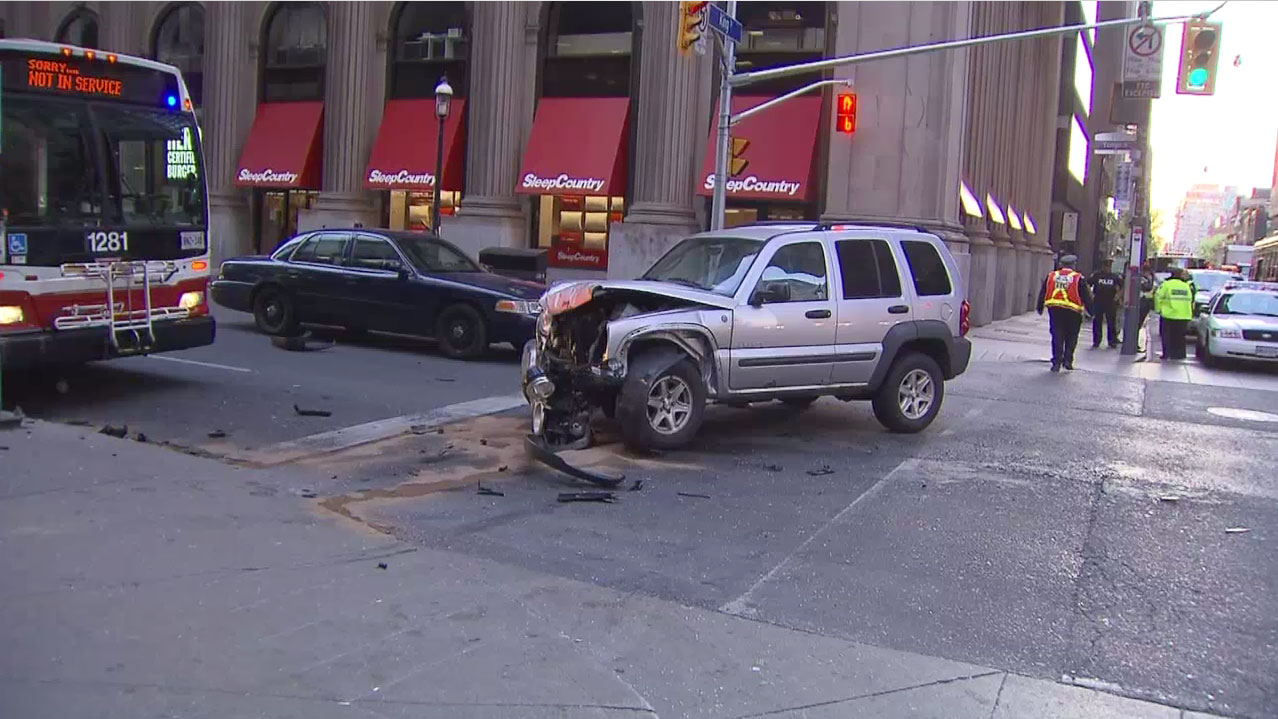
{"x": 445, "y": 379}
{"x": 311, "y": 412}
{"x": 606, "y": 497}
{"x": 305, "y": 342}
{"x": 112, "y": 431}
{"x": 503, "y": 468}
{"x": 773, "y": 467}
{"x": 823, "y": 470}
{"x": 483, "y": 442}
{"x": 638, "y": 485}
{"x": 419, "y": 429}
{"x": 139, "y": 437}
{"x": 383, "y": 565}
{"x": 693, "y": 495}
{"x": 309, "y": 494}
{"x": 538, "y": 450}
{"x": 217, "y": 434}
{"x": 488, "y": 492}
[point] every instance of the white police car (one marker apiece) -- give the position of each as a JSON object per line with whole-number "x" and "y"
{"x": 1240, "y": 322}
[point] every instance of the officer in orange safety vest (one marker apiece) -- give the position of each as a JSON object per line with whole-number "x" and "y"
{"x": 1066, "y": 296}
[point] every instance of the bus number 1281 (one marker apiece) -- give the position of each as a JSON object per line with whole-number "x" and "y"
{"x": 101, "y": 242}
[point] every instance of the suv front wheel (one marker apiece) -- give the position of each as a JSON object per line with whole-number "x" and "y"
{"x": 911, "y": 394}
{"x": 661, "y": 404}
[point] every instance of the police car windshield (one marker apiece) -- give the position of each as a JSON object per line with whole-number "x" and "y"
{"x": 1264, "y": 304}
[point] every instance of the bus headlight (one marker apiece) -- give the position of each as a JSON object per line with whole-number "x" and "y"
{"x": 11, "y": 315}
{"x": 191, "y": 300}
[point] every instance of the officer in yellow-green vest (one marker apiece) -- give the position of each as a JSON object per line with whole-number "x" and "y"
{"x": 1174, "y": 303}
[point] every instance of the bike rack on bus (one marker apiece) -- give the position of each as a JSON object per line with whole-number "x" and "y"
{"x": 123, "y": 320}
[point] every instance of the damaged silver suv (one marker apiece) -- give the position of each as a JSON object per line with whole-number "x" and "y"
{"x": 784, "y": 312}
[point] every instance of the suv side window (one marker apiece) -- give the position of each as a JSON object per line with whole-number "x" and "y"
{"x": 930, "y": 276}
{"x": 374, "y": 253}
{"x": 868, "y": 269}
{"x": 801, "y": 266}
{"x": 325, "y": 248}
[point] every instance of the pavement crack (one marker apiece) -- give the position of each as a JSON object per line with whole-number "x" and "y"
{"x": 872, "y": 695}
{"x": 998, "y": 697}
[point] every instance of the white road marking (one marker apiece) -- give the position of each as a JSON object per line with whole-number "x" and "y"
{"x": 375, "y": 431}
{"x": 741, "y": 606}
{"x": 214, "y": 365}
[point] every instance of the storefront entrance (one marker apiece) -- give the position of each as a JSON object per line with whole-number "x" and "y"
{"x": 275, "y": 215}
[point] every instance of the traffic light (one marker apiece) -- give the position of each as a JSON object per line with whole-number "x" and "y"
{"x": 737, "y": 164}
{"x": 845, "y": 119}
{"x": 692, "y": 25}
{"x": 1199, "y": 54}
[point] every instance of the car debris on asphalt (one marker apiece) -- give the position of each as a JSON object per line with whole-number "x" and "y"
{"x": 305, "y": 342}
{"x": 1237, "y": 530}
{"x": 217, "y": 434}
{"x": 487, "y": 491}
{"x": 112, "y": 431}
{"x": 312, "y": 412}
{"x": 607, "y": 497}
{"x": 538, "y": 450}
{"x": 822, "y": 471}
{"x": 693, "y": 495}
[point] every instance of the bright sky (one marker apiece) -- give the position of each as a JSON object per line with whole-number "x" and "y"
{"x": 1232, "y": 133}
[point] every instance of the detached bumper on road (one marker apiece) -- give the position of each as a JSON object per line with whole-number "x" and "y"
{"x": 26, "y": 350}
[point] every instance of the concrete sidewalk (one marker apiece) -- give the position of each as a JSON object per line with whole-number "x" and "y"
{"x": 1026, "y": 338}
{"x": 144, "y": 582}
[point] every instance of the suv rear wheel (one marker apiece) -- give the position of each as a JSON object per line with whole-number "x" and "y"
{"x": 660, "y": 407}
{"x": 911, "y": 394}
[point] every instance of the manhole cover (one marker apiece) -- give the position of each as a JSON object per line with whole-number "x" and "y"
{"x": 1250, "y": 415}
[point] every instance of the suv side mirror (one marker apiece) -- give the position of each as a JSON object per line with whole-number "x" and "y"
{"x": 770, "y": 292}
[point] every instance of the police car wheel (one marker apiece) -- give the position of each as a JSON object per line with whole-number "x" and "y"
{"x": 911, "y": 394}
{"x": 1203, "y": 349}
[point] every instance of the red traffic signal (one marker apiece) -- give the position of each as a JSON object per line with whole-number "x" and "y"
{"x": 845, "y": 118}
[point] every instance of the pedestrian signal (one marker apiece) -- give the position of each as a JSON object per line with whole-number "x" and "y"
{"x": 845, "y": 118}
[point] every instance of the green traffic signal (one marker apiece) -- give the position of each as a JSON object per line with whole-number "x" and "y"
{"x": 1198, "y": 77}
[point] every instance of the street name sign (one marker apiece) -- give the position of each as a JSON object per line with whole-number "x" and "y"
{"x": 1143, "y": 62}
{"x": 727, "y": 26}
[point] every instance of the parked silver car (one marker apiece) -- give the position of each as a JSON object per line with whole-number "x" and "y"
{"x": 787, "y": 312}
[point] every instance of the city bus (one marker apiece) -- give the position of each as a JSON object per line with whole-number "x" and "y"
{"x": 104, "y": 247}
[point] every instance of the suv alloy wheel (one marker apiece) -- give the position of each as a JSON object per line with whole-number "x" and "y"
{"x": 911, "y": 395}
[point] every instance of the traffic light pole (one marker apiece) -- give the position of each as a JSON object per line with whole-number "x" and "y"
{"x": 724, "y": 137}
{"x": 1138, "y": 243}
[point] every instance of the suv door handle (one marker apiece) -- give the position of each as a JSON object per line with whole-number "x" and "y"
{"x": 817, "y": 314}
{"x": 899, "y": 309}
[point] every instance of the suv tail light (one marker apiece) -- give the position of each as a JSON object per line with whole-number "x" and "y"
{"x": 965, "y": 321}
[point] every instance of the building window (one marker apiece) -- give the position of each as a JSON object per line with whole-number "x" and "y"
{"x": 780, "y": 34}
{"x": 295, "y": 51}
{"x": 588, "y": 49}
{"x": 80, "y": 28}
{"x": 179, "y": 41}
{"x": 431, "y": 40}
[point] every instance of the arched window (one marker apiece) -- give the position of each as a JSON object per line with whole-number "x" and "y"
{"x": 588, "y": 49}
{"x": 430, "y": 40}
{"x": 80, "y": 28}
{"x": 295, "y": 49}
{"x": 780, "y": 34}
{"x": 179, "y": 41}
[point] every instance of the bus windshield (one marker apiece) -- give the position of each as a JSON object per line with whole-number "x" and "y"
{"x": 71, "y": 163}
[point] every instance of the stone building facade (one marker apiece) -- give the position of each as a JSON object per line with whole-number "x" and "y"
{"x": 584, "y": 129}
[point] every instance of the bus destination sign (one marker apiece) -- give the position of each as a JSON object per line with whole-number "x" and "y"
{"x": 96, "y": 79}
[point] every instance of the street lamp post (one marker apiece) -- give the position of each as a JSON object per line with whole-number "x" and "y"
{"x": 443, "y": 101}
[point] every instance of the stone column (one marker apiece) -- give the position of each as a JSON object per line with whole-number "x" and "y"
{"x": 1023, "y": 54}
{"x": 1004, "y": 157}
{"x": 491, "y": 214}
{"x": 1053, "y": 13}
{"x": 667, "y": 151}
{"x": 903, "y": 164}
{"x": 121, "y": 28}
{"x": 227, "y": 116}
{"x": 354, "y": 97}
{"x": 978, "y": 168}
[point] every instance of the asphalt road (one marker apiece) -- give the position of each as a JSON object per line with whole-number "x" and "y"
{"x": 1028, "y": 529}
{"x": 246, "y": 387}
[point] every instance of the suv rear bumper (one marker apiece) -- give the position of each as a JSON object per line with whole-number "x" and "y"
{"x": 27, "y": 350}
{"x": 960, "y": 355}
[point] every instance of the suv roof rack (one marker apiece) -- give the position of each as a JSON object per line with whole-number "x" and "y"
{"x": 829, "y": 226}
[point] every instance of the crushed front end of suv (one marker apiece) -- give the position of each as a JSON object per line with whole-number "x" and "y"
{"x": 783, "y": 313}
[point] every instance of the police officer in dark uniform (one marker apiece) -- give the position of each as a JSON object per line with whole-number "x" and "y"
{"x": 1106, "y": 288}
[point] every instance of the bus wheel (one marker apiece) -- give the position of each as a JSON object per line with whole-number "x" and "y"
{"x": 273, "y": 312}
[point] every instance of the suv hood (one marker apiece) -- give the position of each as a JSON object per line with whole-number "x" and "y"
{"x": 650, "y": 287}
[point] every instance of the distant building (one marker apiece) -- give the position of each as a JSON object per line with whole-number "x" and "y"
{"x": 1199, "y": 213}
{"x": 1248, "y": 219}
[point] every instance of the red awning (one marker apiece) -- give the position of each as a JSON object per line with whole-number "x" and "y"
{"x": 285, "y": 146}
{"x": 403, "y": 157}
{"x": 577, "y": 147}
{"x": 778, "y": 147}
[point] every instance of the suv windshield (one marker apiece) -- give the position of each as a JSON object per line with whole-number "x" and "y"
{"x": 1248, "y": 303}
{"x": 431, "y": 255}
{"x": 717, "y": 264}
